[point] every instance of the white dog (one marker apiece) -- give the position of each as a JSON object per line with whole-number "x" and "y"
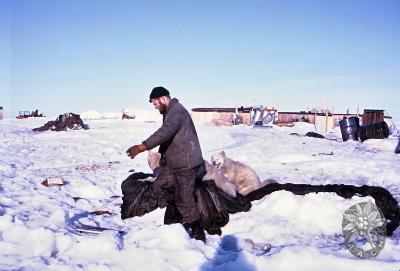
{"x": 242, "y": 176}
{"x": 220, "y": 180}
{"x": 153, "y": 159}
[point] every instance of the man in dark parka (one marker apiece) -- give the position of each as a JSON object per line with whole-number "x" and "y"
{"x": 180, "y": 152}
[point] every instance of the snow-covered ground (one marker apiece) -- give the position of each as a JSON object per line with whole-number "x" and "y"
{"x": 37, "y": 222}
{"x": 139, "y": 114}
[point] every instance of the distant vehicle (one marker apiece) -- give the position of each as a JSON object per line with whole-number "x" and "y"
{"x": 24, "y": 114}
{"x": 27, "y": 114}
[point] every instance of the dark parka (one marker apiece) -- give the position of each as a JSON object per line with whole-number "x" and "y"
{"x": 177, "y": 138}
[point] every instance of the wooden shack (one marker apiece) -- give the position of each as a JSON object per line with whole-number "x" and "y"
{"x": 1, "y": 112}
{"x": 290, "y": 117}
{"x": 372, "y": 116}
{"x": 320, "y": 120}
{"x": 220, "y": 116}
{"x": 224, "y": 116}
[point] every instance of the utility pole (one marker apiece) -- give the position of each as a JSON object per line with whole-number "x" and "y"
{"x": 326, "y": 117}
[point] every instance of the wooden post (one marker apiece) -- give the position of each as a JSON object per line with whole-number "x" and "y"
{"x": 326, "y": 119}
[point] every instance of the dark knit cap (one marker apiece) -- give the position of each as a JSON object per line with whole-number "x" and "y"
{"x": 158, "y": 92}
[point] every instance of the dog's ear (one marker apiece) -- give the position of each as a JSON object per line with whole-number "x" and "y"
{"x": 223, "y": 153}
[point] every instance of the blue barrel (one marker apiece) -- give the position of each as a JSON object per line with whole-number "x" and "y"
{"x": 349, "y": 128}
{"x": 378, "y": 130}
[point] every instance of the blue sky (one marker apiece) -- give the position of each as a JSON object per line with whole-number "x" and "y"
{"x": 71, "y": 56}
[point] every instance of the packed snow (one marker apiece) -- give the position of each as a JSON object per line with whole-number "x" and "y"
{"x": 139, "y": 114}
{"x": 282, "y": 231}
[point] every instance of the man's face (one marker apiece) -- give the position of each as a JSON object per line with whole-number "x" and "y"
{"x": 159, "y": 104}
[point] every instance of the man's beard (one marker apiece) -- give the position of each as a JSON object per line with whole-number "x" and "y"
{"x": 162, "y": 109}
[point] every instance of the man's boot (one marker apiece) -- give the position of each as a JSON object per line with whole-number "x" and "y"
{"x": 197, "y": 231}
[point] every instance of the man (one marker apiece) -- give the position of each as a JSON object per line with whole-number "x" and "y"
{"x": 180, "y": 152}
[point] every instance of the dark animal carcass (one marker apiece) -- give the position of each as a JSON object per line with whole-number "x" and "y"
{"x": 63, "y": 123}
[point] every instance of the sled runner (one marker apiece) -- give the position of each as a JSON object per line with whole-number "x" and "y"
{"x": 88, "y": 229}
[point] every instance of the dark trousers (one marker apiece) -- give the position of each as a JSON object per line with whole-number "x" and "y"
{"x": 178, "y": 188}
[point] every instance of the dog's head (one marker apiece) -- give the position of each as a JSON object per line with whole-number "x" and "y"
{"x": 218, "y": 159}
{"x": 153, "y": 159}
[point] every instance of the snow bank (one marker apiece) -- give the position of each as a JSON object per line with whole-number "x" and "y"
{"x": 96, "y": 115}
{"x": 140, "y": 114}
{"x": 38, "y": 223}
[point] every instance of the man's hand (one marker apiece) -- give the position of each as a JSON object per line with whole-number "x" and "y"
{"x": 135, "y": 150}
